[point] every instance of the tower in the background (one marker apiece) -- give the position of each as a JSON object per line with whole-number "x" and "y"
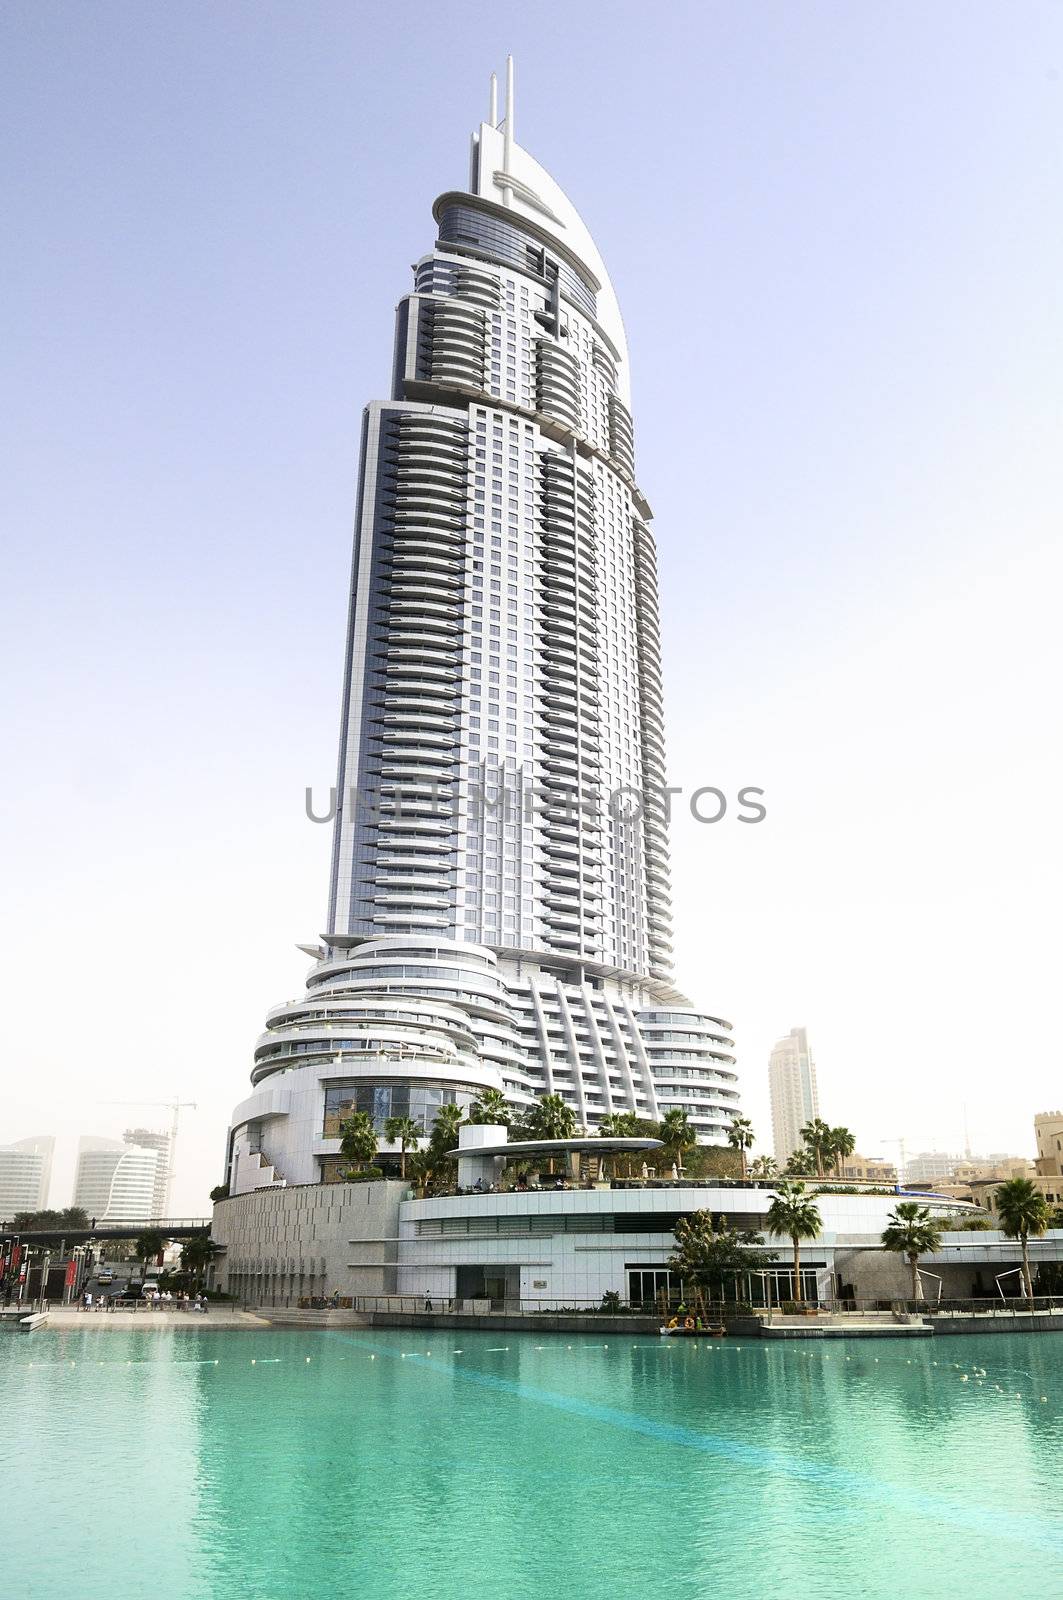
{"x": 25, "y": 1175}
{"x": 115, "y": 1182}
{"x": 499, "y": 907}
{"x": 162, "y": 1144}
{"x": 792, "y": 1086}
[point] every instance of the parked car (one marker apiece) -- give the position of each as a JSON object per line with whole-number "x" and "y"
{"x": 149, "y": 1286}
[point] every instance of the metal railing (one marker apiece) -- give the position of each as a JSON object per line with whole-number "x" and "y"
{"x": 135, "y": 1303}
{"x": 509, "y": 1305}
{"x": 947, "y": 1306}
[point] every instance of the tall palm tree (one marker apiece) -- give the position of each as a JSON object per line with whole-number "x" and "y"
{"x": 448, "y": 1119}
{"x": 552, "y": 1118}
{"x": 1022, "y": 1210}
{"x": 491, "y": 1105}
{"x": 842, "y": 1145}
{"x": 404, "y": 1132}
{"x": 198, "y": 1253}
{"x": 740, "y": 1138}
{"x": 816, "y": 1136}
{"x": 150, "y": 1246}
{"x": 677, "y": 1135}
{"x": 911, "y": 1231}
{"x": 792, "y": 1213}
{"x": 358, "y": 1138}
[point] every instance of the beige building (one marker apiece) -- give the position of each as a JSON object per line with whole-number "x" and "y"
{"x": 868, "y": 1169}
{"x": 1048, "y": 1131}
{"x": 792, "y": 1087}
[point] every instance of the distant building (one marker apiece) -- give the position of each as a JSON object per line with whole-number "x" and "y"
{"x": 145, "y": 1139}
{"x": 792, "y": 1086}
{"x": 115, "y": 1182}
{"x": 1048, "y": 1131}
{"x": 868, "y": 1169}
{"x": 25, "y": 1175}
{"x": 957, "y": 1173}
{"x": 930, "y": 1164}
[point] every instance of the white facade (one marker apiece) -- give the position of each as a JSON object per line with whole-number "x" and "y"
{"x": 540, "y": 1248}
{"x": 25, "y": 1175}
{"x": 115, "y": 1182}
{"x": 162, "y": 1144}
{"x": 574, "y": 1246}
{"x": 499, "y": 909}
{"x": 792, "y": 1088}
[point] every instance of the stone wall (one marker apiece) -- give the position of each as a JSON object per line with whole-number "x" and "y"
{"x": 281, "y": 1245}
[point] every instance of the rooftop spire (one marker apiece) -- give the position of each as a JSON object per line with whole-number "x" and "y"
{"x": 507, "y": 149}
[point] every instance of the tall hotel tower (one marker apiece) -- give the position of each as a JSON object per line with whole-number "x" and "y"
{"x": 495, "y": 918}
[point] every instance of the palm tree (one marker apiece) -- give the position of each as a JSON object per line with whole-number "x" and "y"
{"x": 552, "y": 1118}
{"x": 794, "y": 1214}
{"x": 740, "y": 1138}
{"x": 911, "y": 1231}
{"x": 404, "y": 1132}
{"x": 491, "y": 1105}
{"x": 198, "y": 1253}
{"x": 816, "y": 1136}
{"x": 358, "y": 1138}
{"x": 448, "y": 1119}
{"x": 150, "y": 1245}
{"x": 677, "y": 1135}
{"x": 842, "y": 1145}
{"x": 764, "y": 1167}
{"x": 1022, "y": 1210}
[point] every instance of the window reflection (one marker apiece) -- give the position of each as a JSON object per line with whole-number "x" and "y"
{"x": 419, "y": 1102}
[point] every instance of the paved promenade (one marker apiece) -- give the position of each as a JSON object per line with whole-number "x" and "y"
{"x": 106, "y": 1321}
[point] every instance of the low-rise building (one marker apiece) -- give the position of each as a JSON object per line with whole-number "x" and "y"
{"x": 868, "y": 1169}
{"x": 537, "y": 1246}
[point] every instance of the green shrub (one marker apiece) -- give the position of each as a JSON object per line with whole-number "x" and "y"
{"x": 363, "y": 1175}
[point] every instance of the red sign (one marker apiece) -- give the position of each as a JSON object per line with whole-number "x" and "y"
{"x": 71, "y": 1273}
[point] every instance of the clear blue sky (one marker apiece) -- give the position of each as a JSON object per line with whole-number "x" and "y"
{"x": 835, "y": 231}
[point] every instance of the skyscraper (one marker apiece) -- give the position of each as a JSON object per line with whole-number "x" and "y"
{"x": 25, "y": 1174}
{"x": 162, "y": 1144}
{"x": 499, "y": 911}
{"x": 114, "y": 1181}
{"x": 792, "y": 1087}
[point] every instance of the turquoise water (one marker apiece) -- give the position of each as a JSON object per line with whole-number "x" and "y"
{"x": 278, "y": 1465}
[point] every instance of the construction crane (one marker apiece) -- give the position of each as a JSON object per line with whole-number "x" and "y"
{"x": 176, "y": 1107}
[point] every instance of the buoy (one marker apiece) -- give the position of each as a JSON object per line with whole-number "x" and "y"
{"x": 1044, "y": 1399}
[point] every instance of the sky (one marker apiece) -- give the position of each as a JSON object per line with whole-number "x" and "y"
{"x": 836, "y": 236}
